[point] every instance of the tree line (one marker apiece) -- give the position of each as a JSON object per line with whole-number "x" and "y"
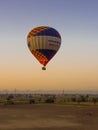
{"x": 48, "y": 98}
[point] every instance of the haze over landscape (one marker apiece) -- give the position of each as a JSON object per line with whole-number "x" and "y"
{"x": 74, "y": 67}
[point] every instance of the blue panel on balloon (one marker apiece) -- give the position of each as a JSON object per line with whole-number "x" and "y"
{"x": 48, "y": 53}
{"x": 48, "y": 32}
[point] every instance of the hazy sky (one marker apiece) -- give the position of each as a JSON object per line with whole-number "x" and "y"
{"x": 74, "y": 67}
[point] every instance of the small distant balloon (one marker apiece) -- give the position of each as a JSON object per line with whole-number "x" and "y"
{"x": 44, "y": 42}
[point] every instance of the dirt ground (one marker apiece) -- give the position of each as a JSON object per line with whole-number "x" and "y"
{"x": 48, "y": 117}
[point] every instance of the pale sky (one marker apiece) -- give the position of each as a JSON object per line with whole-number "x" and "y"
{"x": 74, "y": 67}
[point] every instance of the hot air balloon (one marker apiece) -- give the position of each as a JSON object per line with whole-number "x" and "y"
{"x": 44, "y": 42}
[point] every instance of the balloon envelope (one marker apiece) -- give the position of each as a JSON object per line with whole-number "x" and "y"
{"x": 43, "y": 42}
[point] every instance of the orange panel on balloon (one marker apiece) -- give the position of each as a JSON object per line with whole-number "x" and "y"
{"x": 40, "y": 57}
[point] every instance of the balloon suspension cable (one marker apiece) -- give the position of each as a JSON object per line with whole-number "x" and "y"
{"x": 43, "y": 68}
